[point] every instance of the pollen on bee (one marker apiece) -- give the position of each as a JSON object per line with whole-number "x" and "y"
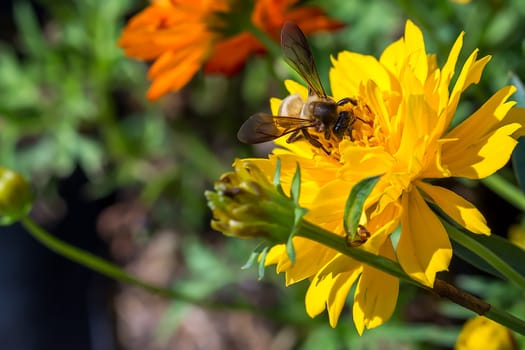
{"x": 291, "y": 106}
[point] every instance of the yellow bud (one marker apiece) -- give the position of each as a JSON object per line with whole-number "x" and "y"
{"x": 246, "y": 204}
{"x": 15, "y": 196}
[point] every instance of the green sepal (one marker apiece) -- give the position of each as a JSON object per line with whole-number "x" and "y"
{"x": 262, "y": 262}
{"x": 355, "y": 202}
{"x": 295, "y": 193}
{"x": 277, "y": 176}
{"x": 251, "y": 260}
{"x": 255, "y": 254}
{"x": 295, "y": 190}
{"x": 290, "y": 250}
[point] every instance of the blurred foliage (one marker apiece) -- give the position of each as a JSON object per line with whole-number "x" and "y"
{"x": 70, "y": 100}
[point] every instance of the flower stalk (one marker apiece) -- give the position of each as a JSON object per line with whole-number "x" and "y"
{"x": 245, "y": 199}
{"x": 93, "y": 262}
{"x": 441, "y": 288}
{"x": 306, "y": 230}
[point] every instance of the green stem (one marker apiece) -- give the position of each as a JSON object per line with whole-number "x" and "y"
{"x": 338, "y": 243}
{"x": 309, "y": 231}
{"x": 441, "y": 288}
{"x": 506, "y": 319}
{"x": 110, "y": 270}
{"x": 505, "y": 190}
{"x": 91, "y": 261}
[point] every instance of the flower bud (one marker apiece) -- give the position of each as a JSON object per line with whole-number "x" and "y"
{"x": 15, "y": 196}
{"x": 246, "y": 204}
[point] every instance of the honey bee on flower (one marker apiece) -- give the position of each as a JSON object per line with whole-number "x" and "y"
{"x": 407, "y": 103}
{"x": 319, "y": 119}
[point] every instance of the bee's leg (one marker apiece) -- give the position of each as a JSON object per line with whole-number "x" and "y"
{"x": 327, "y": 134}
{"x": 346, "y": 100}
{"x": 314, "y": 141}
{"x": 343, "y": 123}
{"x": 294, "y": 136}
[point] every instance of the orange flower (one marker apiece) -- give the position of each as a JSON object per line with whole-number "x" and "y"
{"x": 183, "y": 36}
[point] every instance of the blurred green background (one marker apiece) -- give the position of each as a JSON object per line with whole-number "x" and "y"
{"x": 124, "y": 178}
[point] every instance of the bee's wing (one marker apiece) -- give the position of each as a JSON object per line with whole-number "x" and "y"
{"x": 262, "y": 127}
{"x": 298, "y": 55}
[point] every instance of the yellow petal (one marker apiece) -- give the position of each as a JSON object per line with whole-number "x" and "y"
{"x": 376, "y": 295}
{"x": 424, "y": 248}
{"x": 339, "y": 272}
{"x": 330, "y": 202}
{"x": 420, "y": 120}
{"x": 275, "y": 254}
{"x": 294, "y": 87}
{"x": 484, "y": 156}
{"x": 415, "y": 46}
{"x": 460, "y": 210}
{"x": 448, "y": 72}
{"x": 480, "y": 145}
{"x": 408, "y": 53}
{"x": 275, "y": 103}
{"x": 517, "y": 115}
{"x": 384, "y": 108}
{"x": 361, "y": 162}
{"x": 310, "y": 258}
{"x": 381, "y": 225}
{"x": 316, "y": 295}
{"x": 470, "y": 74}
{"x": 413, "y": 38}
{"x": 350, "y": 70}
{"x": 485, "y": 119}
{"x": 339, "y": 294}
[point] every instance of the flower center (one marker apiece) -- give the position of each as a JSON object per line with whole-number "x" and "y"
{"x": 358, "y": 121}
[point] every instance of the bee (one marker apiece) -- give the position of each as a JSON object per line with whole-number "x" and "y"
{"x": 318, "y": 116}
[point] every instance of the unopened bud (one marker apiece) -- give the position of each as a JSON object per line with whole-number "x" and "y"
{"x": 246, "y": 204}
{"x": 15, "y": 196}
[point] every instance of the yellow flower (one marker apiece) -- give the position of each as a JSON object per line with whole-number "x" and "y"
{"x": 404, "y": 104}
{"x": 482, "y": 333}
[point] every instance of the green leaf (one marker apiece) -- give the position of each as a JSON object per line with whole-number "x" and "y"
{"x": 290, "y": 250}
{"x": 355, "y": 202}
{"x": 492, "y": 254}
{"x": 262, "y": 262}
{"x": 27, "y": 24}
{"x": 518, "y": 156}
